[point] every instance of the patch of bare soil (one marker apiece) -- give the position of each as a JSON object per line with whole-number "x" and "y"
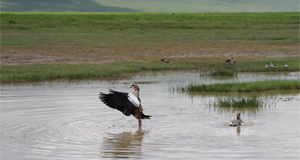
{"x": 91, "y": 54}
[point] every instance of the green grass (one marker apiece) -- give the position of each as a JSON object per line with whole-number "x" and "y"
{"x": 240, "y": 102}
{"x": 48, "y": 72}
{"x": 127, "y": 30}
{"x": 146, "y": 31}
{"x": 243, "y": 104}
{"x": 258, "y": 86}
{"x": 143, "y": 38}
{"x": 99, "y": 21}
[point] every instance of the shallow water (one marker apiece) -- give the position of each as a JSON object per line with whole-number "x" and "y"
{"x": 66, "y": 120}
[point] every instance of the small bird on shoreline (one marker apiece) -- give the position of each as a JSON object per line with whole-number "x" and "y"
{"x": 266, "y": 66}
{"x": 230, "y": 61}
{"x": 272, "y": 65}
{"x": 166, "y": 60}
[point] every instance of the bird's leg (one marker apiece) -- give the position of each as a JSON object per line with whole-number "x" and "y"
{"x": 140, "y": 123}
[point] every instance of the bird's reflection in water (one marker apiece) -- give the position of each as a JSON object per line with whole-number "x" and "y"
{"x": 123, "y": 145}
{"x": 238, "y": 130}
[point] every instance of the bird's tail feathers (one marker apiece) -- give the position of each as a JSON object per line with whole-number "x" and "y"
{"x": 145, "y": 116}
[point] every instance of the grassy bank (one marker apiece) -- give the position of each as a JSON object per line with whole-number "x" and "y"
{"x": 258, "y": 86}
{"x": 270, "y": 28}
{"x": 43, "y": 21}
{"x": 101, "y": 36}
{"x": 49, "y": 46}
{"x": 48, "y": 72}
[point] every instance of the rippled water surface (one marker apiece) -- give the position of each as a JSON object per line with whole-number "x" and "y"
{"x": 66, "y": 120}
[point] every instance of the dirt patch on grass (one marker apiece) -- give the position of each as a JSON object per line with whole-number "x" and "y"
{"x": 92, "y": 53}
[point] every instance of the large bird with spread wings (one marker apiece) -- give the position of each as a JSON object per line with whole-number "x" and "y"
{"x": 127, "y": 103}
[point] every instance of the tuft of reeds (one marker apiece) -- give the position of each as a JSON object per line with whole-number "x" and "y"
{"x": 241, "y": 104}
{"x": 257, "y": 86}
{"x": 238, "y": 102}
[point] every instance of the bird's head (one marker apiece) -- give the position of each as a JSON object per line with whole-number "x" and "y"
{"x": 238, "y": 115}
{"x": 228, "y": 60}
{"x": 167, "y": 60}
{"x": 135, "y": 87}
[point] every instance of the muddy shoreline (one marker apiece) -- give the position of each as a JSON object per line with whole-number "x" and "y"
{"x": 67, "y": 54}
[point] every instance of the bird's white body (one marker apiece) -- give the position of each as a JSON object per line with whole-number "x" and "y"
{"x": 232, "y": 123}
{"x": 230, "y": 61}
{"x": 272, "y": 65}
{"x": 133, "y": 99}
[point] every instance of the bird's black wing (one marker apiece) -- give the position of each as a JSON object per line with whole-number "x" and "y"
{"x": 119, "y": 101}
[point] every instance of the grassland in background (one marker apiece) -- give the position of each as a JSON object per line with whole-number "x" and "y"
{"x": 46, "y": 72}
{"x": 39, "y": 21}
{"x": 48, "y": 46}
{"x": 124, "y": 29}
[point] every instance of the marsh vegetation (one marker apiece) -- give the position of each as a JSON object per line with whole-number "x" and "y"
{"x": 256, "y": 86}
{"x": 48, "y": 72}
{"x": 242, "y": 103}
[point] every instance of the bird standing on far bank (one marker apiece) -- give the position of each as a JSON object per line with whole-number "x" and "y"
{"x": 230, "y": 61}
{"x": 166, "y": 60}
{"x": 266, "y": 66}
{"x": 272, "y": 65}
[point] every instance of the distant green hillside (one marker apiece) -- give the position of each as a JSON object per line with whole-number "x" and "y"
{"x": 58, "y": 6}
{"x": 150, "y": 5}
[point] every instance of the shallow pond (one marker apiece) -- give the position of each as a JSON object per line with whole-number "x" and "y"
{"x": 66, "y": 120}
